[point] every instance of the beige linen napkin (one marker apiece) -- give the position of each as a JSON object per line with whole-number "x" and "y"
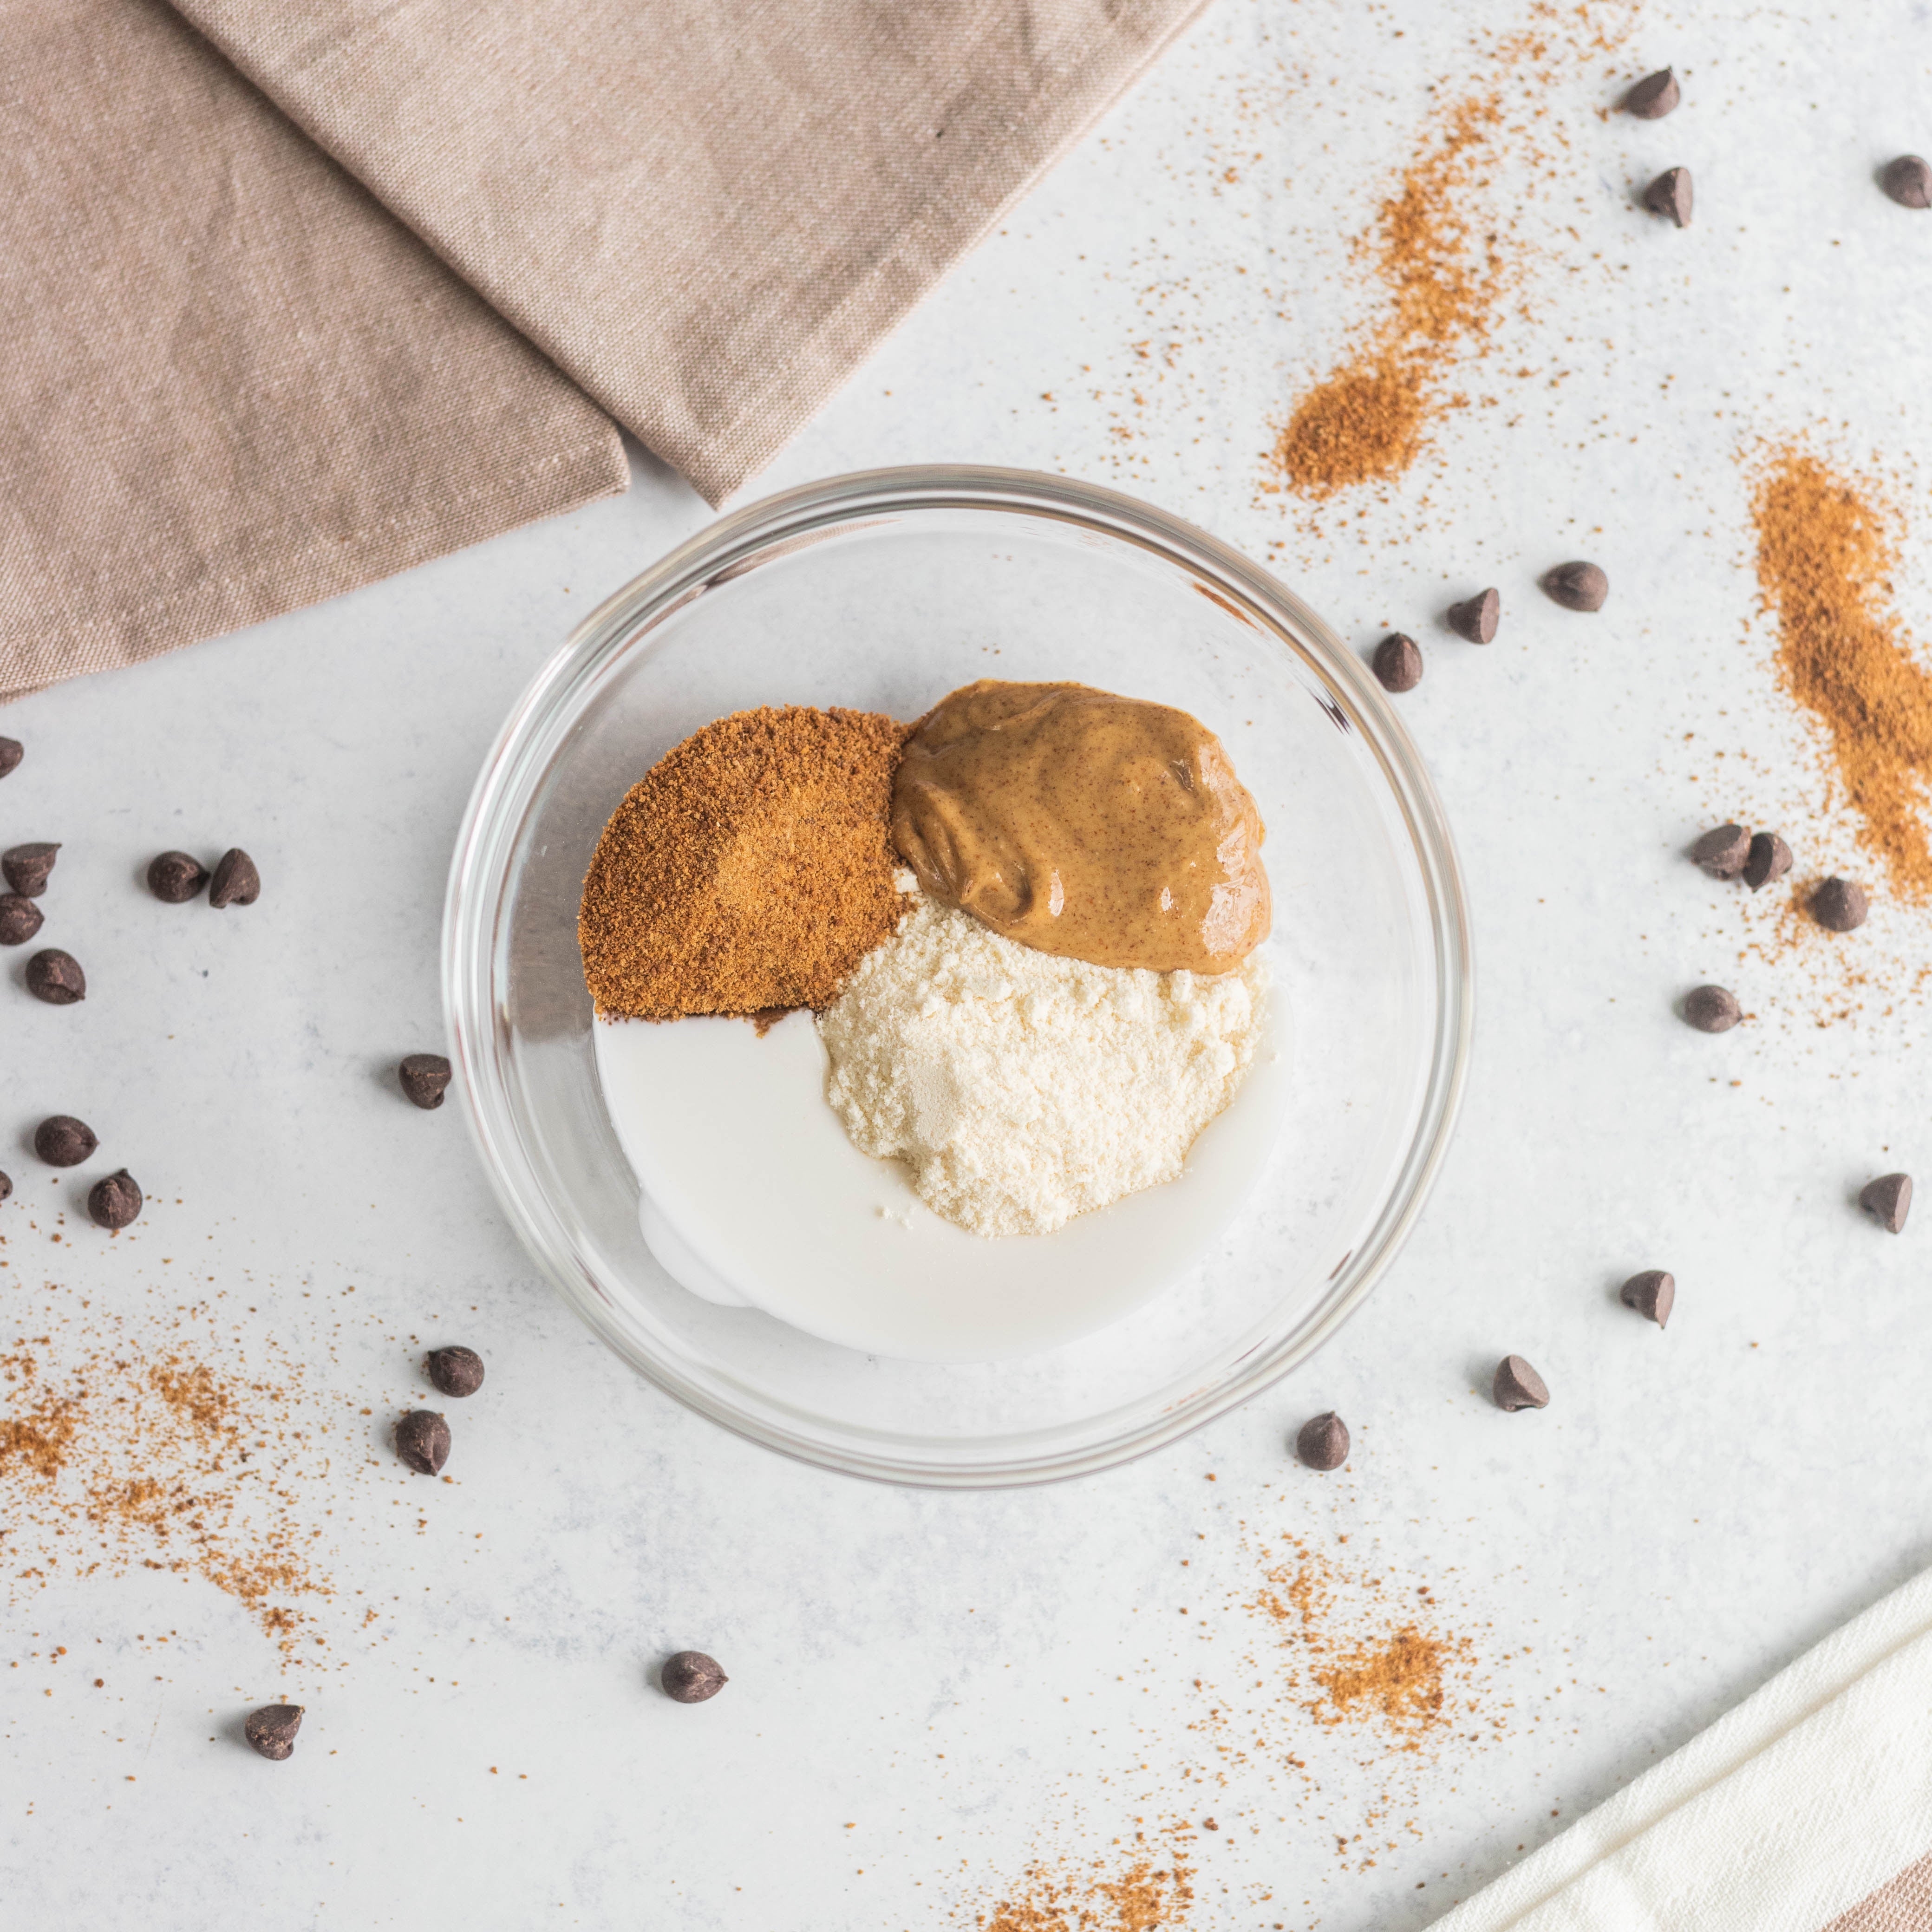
{"x": 706, "y": 212}
{"x": 232, "y": 384}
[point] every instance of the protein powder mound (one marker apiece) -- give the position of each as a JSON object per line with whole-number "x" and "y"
{"x": 1023, "y": 1089}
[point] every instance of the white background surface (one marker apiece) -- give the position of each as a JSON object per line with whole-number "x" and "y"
{"x": 929, "y": 1691}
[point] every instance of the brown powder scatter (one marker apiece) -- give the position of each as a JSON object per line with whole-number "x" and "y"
{"x": 1826, "y": 550}
{"x": 1147, "y": 1894}
{"x": 1400, "y": 1679}
{"x": 749, "y": 869}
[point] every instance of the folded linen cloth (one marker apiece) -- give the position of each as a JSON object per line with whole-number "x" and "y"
{"x": 232, "y": 384}
{"x": 1806, "y": 1809}
{"x": 706, "y": 212}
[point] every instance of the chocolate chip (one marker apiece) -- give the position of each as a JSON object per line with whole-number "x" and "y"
{"x": 1654, "y": 96}
{"x": 1887, "y": 1200}
{"x": 1323, "y": 1443}
{"x": 114, "y": 1201}
{"x": 11, "y": 752}
{"x": 1652, "y": 1293}
{"x": 1770, "y": 858}
{"x": 425, "y": 1079}
{"x": 1670, "y": 194}
{"x": 457, "y": 1372}
{"x": 62, "y": 1141}
{"x": 422, "y": 1441}
{"x": 20, "y": 919}
{"x": 1398, "y": 662}
{"x": 1722, "y": 852}
{"x": 55, "y": 977}
{"x": 1576, "y": 587}
{"x": 176, "y": 877}
{"x": 1908, "y": 180}
{"x": 1476, "y": 618}
{"x": 1518, "y": 1386}
{"x": 6, "y": 1185}
{"x": 690, "y": 1677}
{"x": 1839, "y": 904}
{"x": 236, "y": 880}
{"x": 271, "y": 1730}
{"x": 1712, "y": 1009}
{"x": 27, "y": 867}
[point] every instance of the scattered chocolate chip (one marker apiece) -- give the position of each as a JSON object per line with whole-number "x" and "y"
{"x": 11, "y": 752}
{"x": 1722, "y": 852}
{"x": 1654, "y": 96}
{"x": 1670, "y": 194}
{"x": 176, "y": 877}
{"x": 422, "y": 1441}
{"x": 1839, "y": 904}
{"x": 1476, "y": 618}
{"x": 271, "y": 1730}
{"x": 20, "y": 919}
{"x": 55, "y": 977}
{"x": 1576, "y": 587}
{"x": 425, "y": 1079}
{"x": 457, "y": 1372}
{"x": 1323, "y": 1443}
{"x": 114, "y": 1201}
{"x": 236, "y": 880}
{"x": 1398, "y": 662}
{"x": 1518, "y": 1386}
{"x": 690, "y": 1677}
{"x": 62, "y": 1141}
{"x": 1770, "y": 859}
{"x": 1712, "y": 1009}
{"x": 1908, "y": 180}
{"x": 1652, "y": 1294}
{"x": 1887, "y": 1200}
{"x": 6, "y": 1185}
{"x": 27, "y": 867}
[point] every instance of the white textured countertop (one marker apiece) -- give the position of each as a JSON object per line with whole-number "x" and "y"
{"x": 931, "y": 1693}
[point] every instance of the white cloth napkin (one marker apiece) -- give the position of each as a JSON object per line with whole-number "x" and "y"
{"x": 1806, "y": 1809}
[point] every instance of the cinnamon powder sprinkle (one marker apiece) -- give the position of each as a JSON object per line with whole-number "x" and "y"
{"x": 749, "y": 871}
{"x": 1827, "y": 546}
{"x": 1144, "y": 1897}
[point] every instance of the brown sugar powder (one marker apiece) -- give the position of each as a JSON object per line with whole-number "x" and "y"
{"x": 749, "y": 871}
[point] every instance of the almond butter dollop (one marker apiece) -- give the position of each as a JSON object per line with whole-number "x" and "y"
{"x": 1082, "y": 823}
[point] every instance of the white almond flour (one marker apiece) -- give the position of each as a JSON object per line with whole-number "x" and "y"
{"x": 1023, "y": 1089}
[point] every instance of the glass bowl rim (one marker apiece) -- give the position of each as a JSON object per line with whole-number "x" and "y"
{"x": 538, "y": 722}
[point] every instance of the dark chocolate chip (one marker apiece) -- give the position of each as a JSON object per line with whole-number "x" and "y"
{"x": 1518, "y": 1386}
{"x": 1670, "y": 194}
{"x": 1712, "y": 1009}
{"x": 1652, "y": 1293}
{"x": 271, "y": 1730}
{"x": 27, "y": 867}
{"x": 20, "y": 919}
{"x": 1908, "y": 180}
{"x": 1722, "y": 852}
{"x": 1770, "y": 859}
{"x": 1398, "y": 662}
{"x": 11, "y": 752}
{"x": 422, "y": 1441}
{"x": 1576, "y": 587}
{"x": 424, "y": 1078}
{"x": 62, "y": 1141}
{"x": 6, "y": 1185}
{"x": 1323, "y": 1443}
{"x": 1654, "y": 96}
{"x": 457, "y": 1372}
{"x": 176, "y": 877}
{"x": 1839, "y": 904}
{"x": 690, "y": 1677}
{"x": 1476, "y": 618}
{"x": 55, "y": 977}
{"x": 1887, "y": 1200}
{"x": 236, "y": 881}
{"x": 114, "y": 1201}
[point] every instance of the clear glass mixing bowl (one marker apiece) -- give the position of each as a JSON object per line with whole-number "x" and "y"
{"x": 882, "y": 591}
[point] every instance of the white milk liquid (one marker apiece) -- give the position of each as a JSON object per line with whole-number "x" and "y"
{"x": 753, "y": 1196}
